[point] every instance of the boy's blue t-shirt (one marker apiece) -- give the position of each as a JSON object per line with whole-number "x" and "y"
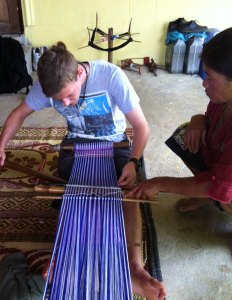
{"x": 102, "y": 106}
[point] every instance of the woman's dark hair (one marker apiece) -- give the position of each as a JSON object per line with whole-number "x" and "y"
{"x": 56, "y": 68}
{"x": 217, "y": 53}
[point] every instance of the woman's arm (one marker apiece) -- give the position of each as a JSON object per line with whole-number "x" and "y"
{"x": 195, "y": 133}
{"x": 187, "y": 186}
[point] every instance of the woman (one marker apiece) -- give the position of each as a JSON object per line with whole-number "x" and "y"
{"x": 205, "y": 144}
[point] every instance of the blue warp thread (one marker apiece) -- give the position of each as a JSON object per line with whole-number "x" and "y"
{"x": 89, "y": 260}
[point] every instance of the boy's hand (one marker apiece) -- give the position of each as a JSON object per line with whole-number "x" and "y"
{"x": 2, "y": 158}
{"x": 128, "y": 176}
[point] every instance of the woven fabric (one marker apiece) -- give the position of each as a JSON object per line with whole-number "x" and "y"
{"x": 22, "y": 217}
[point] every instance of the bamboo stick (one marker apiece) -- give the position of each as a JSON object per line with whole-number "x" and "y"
{"x": 60, "y": 191}
{"x": 50, "y": 189}
{"x": 51, "y": 197}
{"x": 17, "y": 167}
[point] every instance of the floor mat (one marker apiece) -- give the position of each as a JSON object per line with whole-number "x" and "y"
{"x": 22, "y": 216}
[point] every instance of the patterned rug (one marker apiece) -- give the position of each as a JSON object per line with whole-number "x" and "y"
{"x": 22, "y": 217}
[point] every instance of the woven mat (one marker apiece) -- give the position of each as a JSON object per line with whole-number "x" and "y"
{"x": 22, "y": 217}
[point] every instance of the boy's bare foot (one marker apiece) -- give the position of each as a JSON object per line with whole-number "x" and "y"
{"x": 45, "y": 270}
{"x": 191, "y": 204}
{"x": 146, "y": 286}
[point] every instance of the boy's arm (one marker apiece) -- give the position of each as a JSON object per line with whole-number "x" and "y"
{"x": 12, "y": 126}
{"x": 141, "y": 130}
{"x": 140, "y": 127}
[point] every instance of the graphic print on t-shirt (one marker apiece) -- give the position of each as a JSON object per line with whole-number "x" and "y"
{"x": 91, "y": 116}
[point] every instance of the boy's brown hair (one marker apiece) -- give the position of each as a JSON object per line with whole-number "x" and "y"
{"x": 56, "y": 68}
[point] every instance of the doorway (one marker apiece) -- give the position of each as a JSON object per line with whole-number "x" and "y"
{"x": 11, "y": 21}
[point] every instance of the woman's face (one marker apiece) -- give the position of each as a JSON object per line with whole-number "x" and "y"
{"x": 217, "y": 87}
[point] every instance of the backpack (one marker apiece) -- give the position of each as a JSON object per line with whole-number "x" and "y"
{"x": 13, "y": 68}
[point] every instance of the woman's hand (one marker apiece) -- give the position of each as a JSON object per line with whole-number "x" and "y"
{"x": 146, "y": 190}
{"x": 195, "y": 133}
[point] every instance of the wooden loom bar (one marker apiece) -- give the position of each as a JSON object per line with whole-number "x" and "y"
{"x": 60, "y": 190}
{"x": 58, "y": 147}
{"x": 37, "y": 174}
